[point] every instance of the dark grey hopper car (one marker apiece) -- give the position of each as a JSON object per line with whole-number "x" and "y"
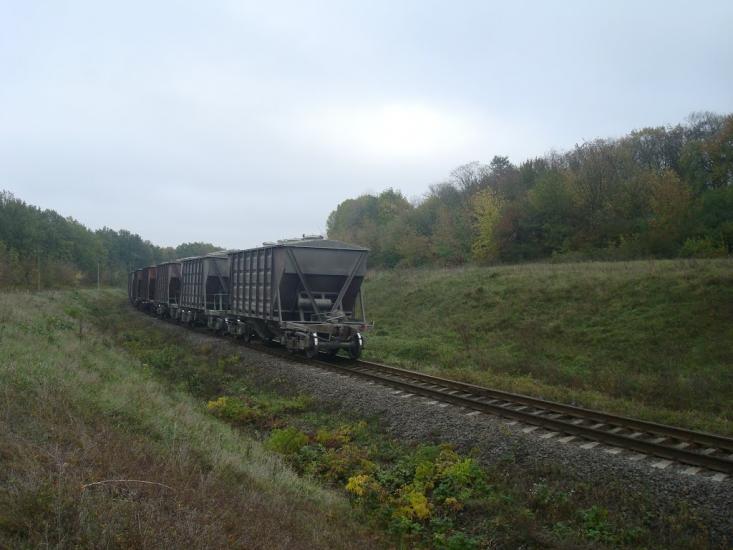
{"x": 141, "y": 286}
{"x": 204, "y": 289}
{"x": 147, "y": 284}
{"x": 304, "y": 293}
{"x": 134, "y": 282}
{"x": 167, "y": 287}
{"x": 133, "y": 285}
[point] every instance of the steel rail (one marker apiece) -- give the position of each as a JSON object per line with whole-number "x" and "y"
{"x": 474, "y": 398}
{"x": 686, "y": 456}
{"x": 699, "y": 438}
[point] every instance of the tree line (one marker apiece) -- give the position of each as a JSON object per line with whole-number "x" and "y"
{"x": 41, "y": 246}
{"x": 656, "y": 192}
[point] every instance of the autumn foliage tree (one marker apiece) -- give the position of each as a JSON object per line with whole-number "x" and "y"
{"x": 656, "y": 192}
{"x": 65, "y": 253}
{"x": 487, "y": 212}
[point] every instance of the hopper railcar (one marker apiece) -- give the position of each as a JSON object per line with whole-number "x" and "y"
{"x": 149, "y": 278}
{"x": 167, "y": 288}
{"x": 204, "y": 290}
{"x": 141, "y": 286}
{"x": 304, "y": 294}
{"x": 133, "y": 286}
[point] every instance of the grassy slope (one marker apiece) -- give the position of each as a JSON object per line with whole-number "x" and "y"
{"x": 648, "y": 339}
{"x": 76, "y": 410}
{"x": 126, "y": 400}
{"x": 507, "y": 505}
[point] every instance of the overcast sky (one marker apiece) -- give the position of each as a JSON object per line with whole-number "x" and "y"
{"x": 238, "y": 122}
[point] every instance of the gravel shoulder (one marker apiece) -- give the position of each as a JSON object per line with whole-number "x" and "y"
{"x": 413, "y": 418}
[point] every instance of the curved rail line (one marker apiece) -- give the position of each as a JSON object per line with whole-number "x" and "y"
{"x": 701, "y": 449}
{"x": 694, "y": 448}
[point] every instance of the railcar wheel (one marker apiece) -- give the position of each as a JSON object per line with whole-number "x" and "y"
{"x": 312, "y": 351}
{"x": 356, "y": 346}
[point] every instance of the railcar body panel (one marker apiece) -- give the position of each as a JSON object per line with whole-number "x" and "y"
{"x": 205, "y": 283}
{"x": 132, "y": 285}
{"x": 138, "y": 284}
{"x": 146, "y": 288}
{"x": 251, "y": 276}
{"x": 168, "y": 283}
{"x": 299, "y": 281}
{"x": 302, "y": 293}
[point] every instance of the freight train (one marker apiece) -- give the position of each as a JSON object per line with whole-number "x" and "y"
{"x": 304, "y": 294}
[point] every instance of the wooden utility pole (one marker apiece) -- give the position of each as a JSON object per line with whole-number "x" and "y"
{"x": 38, "y": 270}
{"x": 98, "y": 267}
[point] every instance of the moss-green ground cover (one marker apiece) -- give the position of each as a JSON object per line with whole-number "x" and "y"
{"x": 647, "y": 339}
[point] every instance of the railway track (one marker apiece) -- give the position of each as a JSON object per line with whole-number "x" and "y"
{"x": 697, "y": 450}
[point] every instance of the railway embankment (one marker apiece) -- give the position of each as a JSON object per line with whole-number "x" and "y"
{"x": 646, "y": 339}
{"x": 617, "y": 480}
{"x": 576, "y": 481}
{"x": 416, "y": 472}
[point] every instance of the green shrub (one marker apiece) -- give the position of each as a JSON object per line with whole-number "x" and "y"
{"x": 421, "y": 494}
{"x": 232, "y": 410}
{"x": 703, "y": 247}
{"x": 333, "y": 438}
{"x": 276, "y": 405}
{"x": 595, "y": 524}
{"x": 456, "y": 541}
{"x": 286, "y": 441}
{"x": 341, "y": 463}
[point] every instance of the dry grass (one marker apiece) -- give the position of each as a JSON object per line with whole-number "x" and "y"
{"x": 75, "y": 410}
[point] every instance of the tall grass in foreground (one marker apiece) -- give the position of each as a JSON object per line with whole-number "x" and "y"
{"x": 652, "y": 339}
{"x": 83, "y": 427}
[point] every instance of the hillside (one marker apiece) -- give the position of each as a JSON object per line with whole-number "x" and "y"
{"x": 98, "y": 453}
{"x": 651, "y": 339}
